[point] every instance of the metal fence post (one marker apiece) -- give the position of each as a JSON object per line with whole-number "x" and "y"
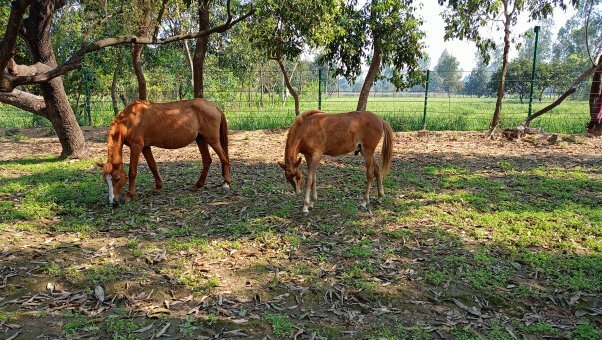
{"x": 320, "y": 88}
{"x": 533, "y": 71}
{"x": 426, "y": 98}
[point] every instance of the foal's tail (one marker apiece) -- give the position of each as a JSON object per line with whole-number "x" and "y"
{"x": 387, "y": 150}
{"x": 223, "y": 138}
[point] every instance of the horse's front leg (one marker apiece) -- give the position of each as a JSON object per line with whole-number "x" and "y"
{"x": 314, "y": 193}
{"x": 150, "y": 160}
{"x": 312, "y": 166}
{"x": 134, "y": 158}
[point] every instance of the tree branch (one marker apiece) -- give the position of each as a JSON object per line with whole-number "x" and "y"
{"x": 25, "y": 101}
{"x": 7, "y": 46}
{"x": 557, "y": 102}
{"x": 159, "y": 18}
{"x": 10, "y": 82}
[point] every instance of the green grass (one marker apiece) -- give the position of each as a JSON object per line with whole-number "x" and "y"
{"x": 404, "y": 113}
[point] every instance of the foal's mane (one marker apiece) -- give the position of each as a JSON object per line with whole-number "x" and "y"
{"x": 292, "y": 131}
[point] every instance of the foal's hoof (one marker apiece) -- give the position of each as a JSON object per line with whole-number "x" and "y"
{"x": 364, "y": 205}
{"x": 156, "y": 191}
{"x": 226, "y": 186}
{"x": 194, "y": 188}
{"x": 305, "y": 211}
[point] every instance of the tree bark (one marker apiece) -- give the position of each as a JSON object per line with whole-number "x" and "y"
{"x": 143, "y": 28}
{"x": 114, "y": 82}
{"x": 200, "y": 51}
{"x": 25, "y": 101}
{"x": 362, "y": 102}
{"x": 289, "y": 86}
{"x": 497, "y": 114}
{"x": 36, "y": 33}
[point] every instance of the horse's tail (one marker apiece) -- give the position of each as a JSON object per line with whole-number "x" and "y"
{"x": 387, "y": 150}
{"x": 223, "y": 138}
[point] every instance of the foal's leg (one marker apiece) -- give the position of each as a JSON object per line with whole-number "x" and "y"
{"x": 314, "y": 193}
{"x": 134, "y": 158}
{"x": 225, "y": 162}
{"x": 206, "y": 158}
{"x": 312, "y": 166}
{"x": 379, "y": 181}
{"x": 369, "y": 158}
{"x": 150, "y": 160}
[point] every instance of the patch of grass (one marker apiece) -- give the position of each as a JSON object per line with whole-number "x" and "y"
{"x": 537, "y": 328}
{"x": 121, "y": 329}
{"x": 282, "y": 325}
{"x": 361, "y": 250}
{"x": 586, "y": 330}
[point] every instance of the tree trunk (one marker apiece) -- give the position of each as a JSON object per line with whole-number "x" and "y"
{"x": 114, "y": 82}
{"x": 497, "y": 114}
{"x": 362, "y": 102}
{"x": 36, "y": 34}
{"x": 200, "y": 51}
{"x": 144, "y": 26}
{"x": 289, "y": 86}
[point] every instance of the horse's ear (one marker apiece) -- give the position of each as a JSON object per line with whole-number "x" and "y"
{"x": 282, "y": 165}
{"x": 298, "y": 162}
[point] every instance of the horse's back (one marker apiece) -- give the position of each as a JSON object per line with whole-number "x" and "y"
{"x": 172, "y": 124}
{"x": 341, "y": 133}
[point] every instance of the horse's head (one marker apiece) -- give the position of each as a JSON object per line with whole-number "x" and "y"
{"x": 292, "y": 174}
{"x": 115, "y": 177}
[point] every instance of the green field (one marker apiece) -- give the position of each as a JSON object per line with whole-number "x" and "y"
{"x": 404, "y": 113}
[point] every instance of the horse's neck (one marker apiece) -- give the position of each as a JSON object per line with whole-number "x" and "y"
{"x": 115, "y": 145}
{"x": 292, "y": 147}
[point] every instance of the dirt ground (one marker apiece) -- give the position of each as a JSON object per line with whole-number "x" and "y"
{"x": 273, "y": 284}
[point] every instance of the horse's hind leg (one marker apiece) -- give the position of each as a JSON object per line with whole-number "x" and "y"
{"x": 206, "y": 158}
{"x": 379, "y": 181}
{"x": 369, "y": 158}
{"x": 225, "y": 162}
{"x": 314, "y": 193}
{"x": 150, "y": 160}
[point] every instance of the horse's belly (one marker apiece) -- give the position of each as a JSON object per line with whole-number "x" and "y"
{"x": 172, "y": 140}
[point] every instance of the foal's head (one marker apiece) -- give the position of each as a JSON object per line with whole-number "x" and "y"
{"x": 115, "y": 177}
{"x": 292, "y": 174}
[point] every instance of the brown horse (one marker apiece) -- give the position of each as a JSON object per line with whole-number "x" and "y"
{"x": 316, "y": 133}
{"x": 173, "y": 125}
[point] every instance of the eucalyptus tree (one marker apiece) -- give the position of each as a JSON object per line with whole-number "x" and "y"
{"x": 384, "y": 32}
{"x": 282, "y": 30}
{"x": 447, "y": 73}
{"x": 43, "y": 69}
{"x": 464, "y": 19}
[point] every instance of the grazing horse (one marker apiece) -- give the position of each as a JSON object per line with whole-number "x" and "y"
{"x": 173, "y": 125}
{"x": 316, "y": 133}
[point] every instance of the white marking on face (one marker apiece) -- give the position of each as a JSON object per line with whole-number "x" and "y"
{"x": 108, "y": 178}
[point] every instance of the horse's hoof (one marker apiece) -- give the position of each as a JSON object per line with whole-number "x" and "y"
{"x": 363, "y": 205}
{"x": 226, "y": 186}
{"x": 305, "y": 211}
{"x": 194, "y": 188}
{"x": 156, "y": 191}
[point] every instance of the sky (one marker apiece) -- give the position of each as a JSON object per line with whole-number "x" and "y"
{"x": 465, "y": 51}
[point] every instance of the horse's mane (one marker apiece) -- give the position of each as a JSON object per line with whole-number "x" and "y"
{"x": 114, "y": 138}
{"x": 292, "y": 131}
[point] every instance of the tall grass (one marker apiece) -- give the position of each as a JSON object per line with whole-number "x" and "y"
{"x": 404, "y": 112}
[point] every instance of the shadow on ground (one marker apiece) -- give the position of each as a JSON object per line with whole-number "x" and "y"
{"x": 497, "y": 247}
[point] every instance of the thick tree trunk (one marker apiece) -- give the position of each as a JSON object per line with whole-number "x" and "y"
{"x": 114, "y": 81}
{"x": 497, "y": 114}
{"x": 362, "y": 102}
{"x": 144, "y": 27}
{"x": 59, "y": 112}
{"x": 200, "y": 51}
{"x": 289, "y": 86}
